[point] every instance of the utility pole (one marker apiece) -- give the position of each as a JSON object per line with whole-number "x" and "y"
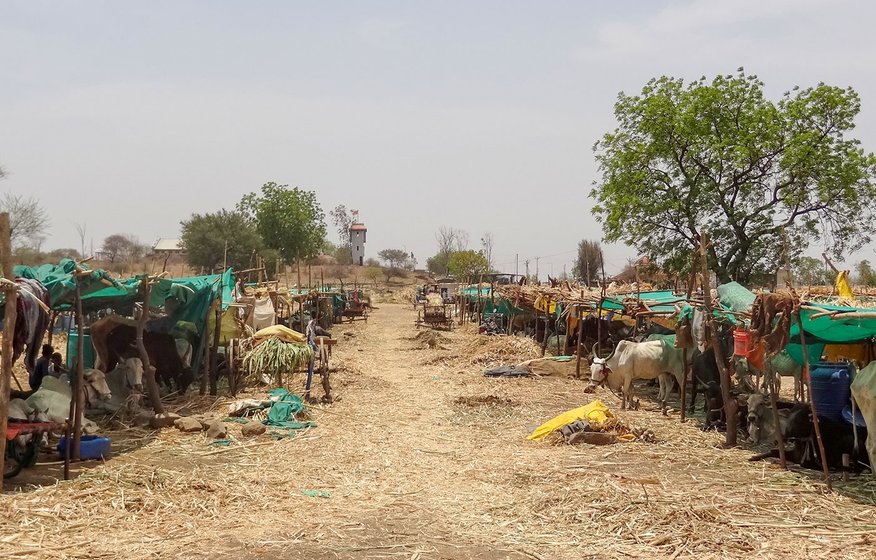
{"x": 517, "y": 264}
{"x": 526, "y": 264}
{"x": 536, "y": 269}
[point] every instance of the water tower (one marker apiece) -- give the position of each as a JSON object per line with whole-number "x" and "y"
{"x": 358, "y": 234}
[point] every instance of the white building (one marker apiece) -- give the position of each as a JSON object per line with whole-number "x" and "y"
{"x": 358, "y": 235}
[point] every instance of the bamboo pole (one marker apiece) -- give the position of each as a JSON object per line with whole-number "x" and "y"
{"x": 807, "y": 382}
{"x": 78, "y": 394}
{"x": 580, "y": 343}
{"x": 9, "y": 315}
{"x": 729, "y": 403}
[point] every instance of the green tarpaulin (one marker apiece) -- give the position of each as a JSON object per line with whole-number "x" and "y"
{"x": 839, "y": 331}
{"x": 59, "y": 280}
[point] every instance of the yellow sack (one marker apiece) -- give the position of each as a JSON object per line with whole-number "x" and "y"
{"x": 843, "y": 289}
{"x": 228, "y": 327}
{"x": 545, "y": 305}
{"x": 595, "y": 413}
{"x": 284, "y": 333}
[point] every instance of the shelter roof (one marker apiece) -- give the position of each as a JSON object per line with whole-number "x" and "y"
{"x": 168, "y": 244}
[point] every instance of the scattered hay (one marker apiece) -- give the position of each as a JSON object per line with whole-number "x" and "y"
{"x": 404, "y": 294}
{"x": 488, "y": 400}
{"x": 491, "y": 351}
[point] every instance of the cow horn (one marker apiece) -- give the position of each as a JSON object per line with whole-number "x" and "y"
{"x": 593, "y": 350}
{"x": 613, "y": 350}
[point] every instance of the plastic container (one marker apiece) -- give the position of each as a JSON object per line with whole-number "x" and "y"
{"x": 88, "y": 350}
{"x": 859, "y": 420}
{"x": 743, "y": 343}
{"x": 90, "y": 447}
{"x": 831, "y": 390}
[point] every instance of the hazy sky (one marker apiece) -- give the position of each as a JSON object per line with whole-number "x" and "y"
{"x": 130, "y": 116}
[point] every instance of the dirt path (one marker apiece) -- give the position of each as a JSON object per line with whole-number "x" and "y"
{"x": 415, "y": 465}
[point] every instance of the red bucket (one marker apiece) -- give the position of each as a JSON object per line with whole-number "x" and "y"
{"x": 743, "y": 343}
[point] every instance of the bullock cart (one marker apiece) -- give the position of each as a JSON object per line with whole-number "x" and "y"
{"x": 355, "y": 310}
{"x": 321, "y": 357}
{"x": 435, "y": 316}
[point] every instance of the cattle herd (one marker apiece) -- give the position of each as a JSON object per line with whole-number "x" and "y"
{"x": 657, "y": 358}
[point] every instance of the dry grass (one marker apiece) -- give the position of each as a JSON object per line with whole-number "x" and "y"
{"x": 431, "y": 461}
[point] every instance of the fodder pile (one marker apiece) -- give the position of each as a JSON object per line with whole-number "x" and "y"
{"x": 430, "y": 339}
{"x": 404, "y": 294}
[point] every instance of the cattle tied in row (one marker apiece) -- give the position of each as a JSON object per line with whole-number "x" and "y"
{"x": 114, "y": 340}
{"x": 653, "y": 359}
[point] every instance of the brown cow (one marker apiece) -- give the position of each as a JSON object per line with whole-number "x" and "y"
{"x": 114, "y": 340}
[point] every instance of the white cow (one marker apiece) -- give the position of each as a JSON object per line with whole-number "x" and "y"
{"x": 52, "y": 399}
{"x": 125, "y": 383}
{"x": 636, "y": 360}
{"x": 20, "y": 410}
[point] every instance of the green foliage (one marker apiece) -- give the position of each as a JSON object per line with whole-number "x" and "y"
{"x": 468, "y": 265}
{"x": 288, "y": 220}
{"x": 394, "y": 258}
{"x": 718, "y": 155}
{"x": 589, "y": 263}
{"x": 117, "y": 246}
{"x": 439, "y": 264}
{"x": 373, "y": 273}
{"x": 204, "y": 237}
{"x": 866, "y": 275}
{"x": 810, "y": 271}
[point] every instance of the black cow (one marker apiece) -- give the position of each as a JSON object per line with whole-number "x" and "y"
{"x": 838, "y": 438}
{"x": 161, "y": 348}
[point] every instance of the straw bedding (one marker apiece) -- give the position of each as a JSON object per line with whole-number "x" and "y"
{"x": 430, "y": 461}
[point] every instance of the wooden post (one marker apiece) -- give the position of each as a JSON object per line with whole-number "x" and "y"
{"x": 729, "y": 403}
{"x": 205, "y": 373}
{"x": 770, "y": 376}
{"x": 807, "y": 382}
{"x": 683, "y": 382}
{"x": 9, "y": 316}
{"x": 309, "y": 275}
{"x": 580, "y": 343}
{"x": 214, "y": 347}
{"x": 79, "y": 378}
{"x": 148, "y": 369}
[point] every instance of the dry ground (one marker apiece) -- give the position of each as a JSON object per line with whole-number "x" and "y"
{"x": 423, "y": 457}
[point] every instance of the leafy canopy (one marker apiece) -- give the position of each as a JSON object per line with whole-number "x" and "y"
{"x": 204, "y": 238}
{"x": 719, "y": 155}
{"x": 468, "y": 265}
{"x": 394, "y": 258}
{"x": 288, "y": 220}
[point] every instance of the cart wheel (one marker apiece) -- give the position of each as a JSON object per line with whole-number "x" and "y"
{"x": 14, "y": 462}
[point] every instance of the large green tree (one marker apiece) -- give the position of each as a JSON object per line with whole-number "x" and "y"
{"x": 288, "y": 220}
{"x": 719, "y": 156}
{"x": 468, "y": 265}
{"x": 204, "y": 238}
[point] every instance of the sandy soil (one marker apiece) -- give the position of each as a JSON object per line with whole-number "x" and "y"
{"x": 423, "y": 457}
